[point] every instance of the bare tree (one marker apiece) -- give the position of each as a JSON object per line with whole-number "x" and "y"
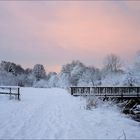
{"x": 112, "y": 63}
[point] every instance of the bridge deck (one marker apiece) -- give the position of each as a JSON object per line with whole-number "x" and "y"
{"x": 106, "y": 91}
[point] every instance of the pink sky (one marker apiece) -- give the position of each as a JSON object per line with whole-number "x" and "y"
{"x": 55, "y": 33}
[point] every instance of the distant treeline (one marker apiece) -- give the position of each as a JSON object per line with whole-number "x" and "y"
{"x": 73, "y": 74}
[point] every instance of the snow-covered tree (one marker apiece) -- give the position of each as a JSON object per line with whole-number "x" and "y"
{"x": 63, "y": 80}
{"x": 50, "y": 74}
{"x": 71, "y": 73}
{"x": 137, "y": 62}
{"x": 8, "y": 67}
{"x": 90, "y": 77}
{"x": 29, "y": 80}
{"x": 130, "y": 79}
{"x": 28, "y": 71}
{"x": 7, "y": 79}
{"x": 133, "y": 73}
{"x": 39, "y": 72}
{"x": 112, "y": 63}
{"x": 11, "y": 68}
{"x": 19, "y": 70}
{"x": 76, "y": 74}
{"x": 53, "y": 80}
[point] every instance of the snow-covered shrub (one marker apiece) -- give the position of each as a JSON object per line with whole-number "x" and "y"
{"x": 91, "y": 102}
{"x": 41, "y": 84}
{"x": 90, "y": 77}
{"x": 130, "y": 79}
{"x": 53, "y": 81}
{"x": 63, "y": 80}
{"x": 113, "y": 79}
{"x": 7, "y": 79}
{"x": 25, "y": 80}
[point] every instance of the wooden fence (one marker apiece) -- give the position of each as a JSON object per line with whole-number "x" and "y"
{"x": 11, "y": 91}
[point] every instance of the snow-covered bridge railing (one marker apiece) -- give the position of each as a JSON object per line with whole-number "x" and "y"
{"x": 101, "y": 91}
{"x": 11, "y": 91}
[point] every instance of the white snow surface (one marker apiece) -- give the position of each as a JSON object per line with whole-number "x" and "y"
{"x": 55, "y": 114}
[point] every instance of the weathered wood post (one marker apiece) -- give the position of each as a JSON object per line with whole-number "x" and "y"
{"x": 138, "y": 91}
{"x": 18, "y": 93}
{"x": 105, "y": 92}
{"x": 10, "y": 93}
{"x": 71, "y": 91}
{"x": 121, "y": 90}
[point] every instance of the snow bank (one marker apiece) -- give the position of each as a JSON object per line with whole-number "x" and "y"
{"x": 55, "y": 114}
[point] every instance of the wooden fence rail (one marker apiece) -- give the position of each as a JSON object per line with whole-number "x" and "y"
{"x": 106, "y": 91}
{"x": 11, "y": 90}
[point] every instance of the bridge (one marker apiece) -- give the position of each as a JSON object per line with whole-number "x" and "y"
{"x": 112, "y": 91}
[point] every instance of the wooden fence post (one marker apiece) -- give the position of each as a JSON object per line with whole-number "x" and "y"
{"x": 18, "y": 93}
{"x": 10, "y": 93}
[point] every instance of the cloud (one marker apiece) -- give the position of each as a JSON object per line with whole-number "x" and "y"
{"x": 54, "y": 33}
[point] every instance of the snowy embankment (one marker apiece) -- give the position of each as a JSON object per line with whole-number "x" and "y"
{"x": 53, "y": 113}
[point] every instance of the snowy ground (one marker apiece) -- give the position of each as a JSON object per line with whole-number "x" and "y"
{"x": 53, "y": 113}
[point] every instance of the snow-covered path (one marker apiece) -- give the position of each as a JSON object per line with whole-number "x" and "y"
{"x": 53, "y": 113}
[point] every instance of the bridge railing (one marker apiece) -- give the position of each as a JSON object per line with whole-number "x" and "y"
{"x": 119, "y": 91}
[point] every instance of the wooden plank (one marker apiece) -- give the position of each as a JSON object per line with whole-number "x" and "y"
{"x": 9, "y": 93}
